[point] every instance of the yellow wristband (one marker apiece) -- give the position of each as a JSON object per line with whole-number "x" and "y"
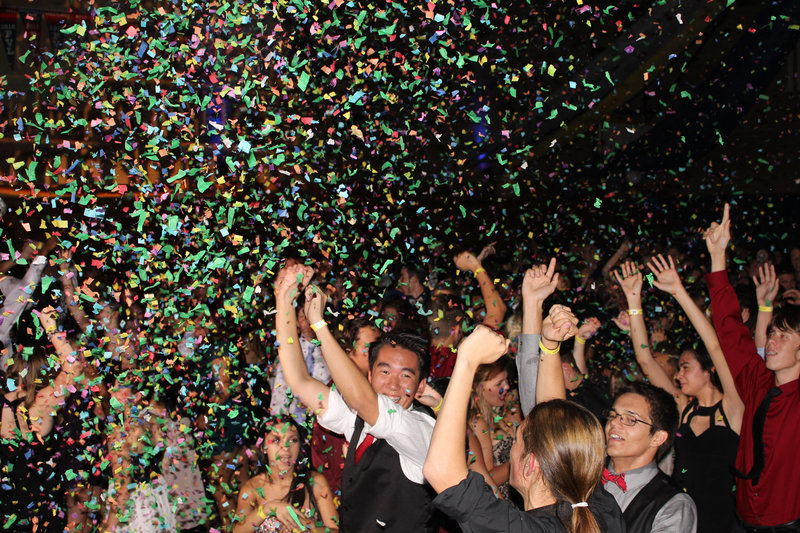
{"x": 547, "y": 350}
{"x": 632, "y": 312}
{"x": 438, "y": 407}
{"x": 478, "y": 271}
{"x": 579, "y": 340}
{"x": 765, "y": 308}
{"x": 316, "y": 326}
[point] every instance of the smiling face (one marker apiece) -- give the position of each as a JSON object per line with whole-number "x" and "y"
{"x": 632, "y": 447}
{"x": 493, "y": 391}
{"x": 691, "y": 376}
{"x": 396, "y": 374}
{"x": 282, "y": 447}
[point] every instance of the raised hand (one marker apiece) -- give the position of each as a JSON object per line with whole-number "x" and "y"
{"x": 588, "y": 328}
{"x": 560, "y": 324}
{"x": 315, "y": 303}
{"x": 623, "y": 322}
{"x": 47, "y": 318}
{"x": 630, "y": 280}
{"x": 718, "y": 235}
{"x": 766, "y": 285}
{"x": 540, "y": 282}
{"x": 667, "y": 278}
{"x": 486, "y": 252}
{"x": 483, "y": 346}
{"x": 466, "y": 261}
{"x": 290, "y": 280}
{"x": 792, "y": 296}
{"x": 429, "y": 396}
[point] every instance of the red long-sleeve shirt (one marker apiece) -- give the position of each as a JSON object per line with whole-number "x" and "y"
{"x": 776, "y": 498}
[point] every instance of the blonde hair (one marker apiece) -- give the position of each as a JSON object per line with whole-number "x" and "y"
{"x": 568, "y": 443}
{"x": 479, "y": 408}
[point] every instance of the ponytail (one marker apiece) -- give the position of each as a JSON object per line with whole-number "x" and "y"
{"x": 569, "y": 445}
{"x": 583, "y": 521}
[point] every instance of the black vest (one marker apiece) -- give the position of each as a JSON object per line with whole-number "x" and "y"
{"x": 641, "y": 512}
{"x": 377, "y": 495}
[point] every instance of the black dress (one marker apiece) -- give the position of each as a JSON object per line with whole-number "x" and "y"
{"x": 30, "y": 484}
{"x": 703, "y": 468}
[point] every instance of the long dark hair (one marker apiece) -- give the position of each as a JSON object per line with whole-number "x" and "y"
{"x": 301, "y": 480}
{"x": 704, "y": 360}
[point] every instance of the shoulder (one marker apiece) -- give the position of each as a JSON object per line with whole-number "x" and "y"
{"x": 322, "y": 488}
{"x": 680, "y": 502}
{"x": 606, "y": 511}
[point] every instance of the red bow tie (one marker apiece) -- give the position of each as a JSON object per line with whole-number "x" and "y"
{"x": 618, "y": 479}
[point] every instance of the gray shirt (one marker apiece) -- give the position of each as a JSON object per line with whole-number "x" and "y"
{"x": 678, "y": 514}
{"x": 527, "y": 370}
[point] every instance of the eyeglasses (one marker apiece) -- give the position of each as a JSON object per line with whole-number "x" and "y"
{"x": 625, "y": 420}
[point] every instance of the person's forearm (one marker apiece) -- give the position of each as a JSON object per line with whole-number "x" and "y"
{"x": 698, "y": 319}
{"x": 500, "y": 473}
{"x": 579, "y": 354}
{"x": 294, "y": 366}
{"x": 527, "y": 370}
{"x": 356, "y": 391}
{"x": 550, "y": 378}
{"x": 73, "y": 303}
{"x": 718, "y": 261}
{"x": 445, "y": 465}
{"x": 495, "y": 307}
{"x": 532, "y": 317}
{"x": 762, "y": 325}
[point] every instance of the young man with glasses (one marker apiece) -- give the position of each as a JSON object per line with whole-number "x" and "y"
{"x": 641, "y": 423}
{"x": 640, "y": 428}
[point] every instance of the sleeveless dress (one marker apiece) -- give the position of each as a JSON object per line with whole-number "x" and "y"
{"x": 703, "y": 468}
{"x": 30, "y": 484}
{"x": 148, "y": 509}
{"x": 501, "y": 453}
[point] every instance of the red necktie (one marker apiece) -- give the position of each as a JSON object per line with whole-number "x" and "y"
{"x": 369, "y": 439}
{"x": 618, "y": 479}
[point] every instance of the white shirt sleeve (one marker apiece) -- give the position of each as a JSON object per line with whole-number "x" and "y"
{"x": 408, "y": 432}
{"x": 338, "y": 417}
{"x": 678, "y": 514}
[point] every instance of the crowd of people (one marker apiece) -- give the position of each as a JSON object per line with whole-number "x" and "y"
{"x": 654, "y": 392}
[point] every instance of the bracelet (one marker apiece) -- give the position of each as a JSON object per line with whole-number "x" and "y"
{"x": 438, "y": 407}
{"x": 580, "y": 340}
{"x": 478, "y": 271}
{"x": 632, "y": 312}
{"x": 765, "y": 308}
{"x": 547, "y": 350}
{"x": 318, "y": 325}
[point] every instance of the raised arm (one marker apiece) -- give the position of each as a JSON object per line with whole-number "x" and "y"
{"x": 766, "y": 290}
{"x": 70, "y": 292}
{"x": 49, "y": 398}
{"x": 495, "y": 307}
{"x": 668, "y": 280}
{"x": 585, "y": 332}
{"x": 717, "y": 237}
{"x": 446, "y": 465}
{"x": 356, "y": 391}
{"x": 287, "y": 285}
{"x": 559, "y": 326}
{"x": 630, "y": 280}
{"x": 539, "y": 283}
